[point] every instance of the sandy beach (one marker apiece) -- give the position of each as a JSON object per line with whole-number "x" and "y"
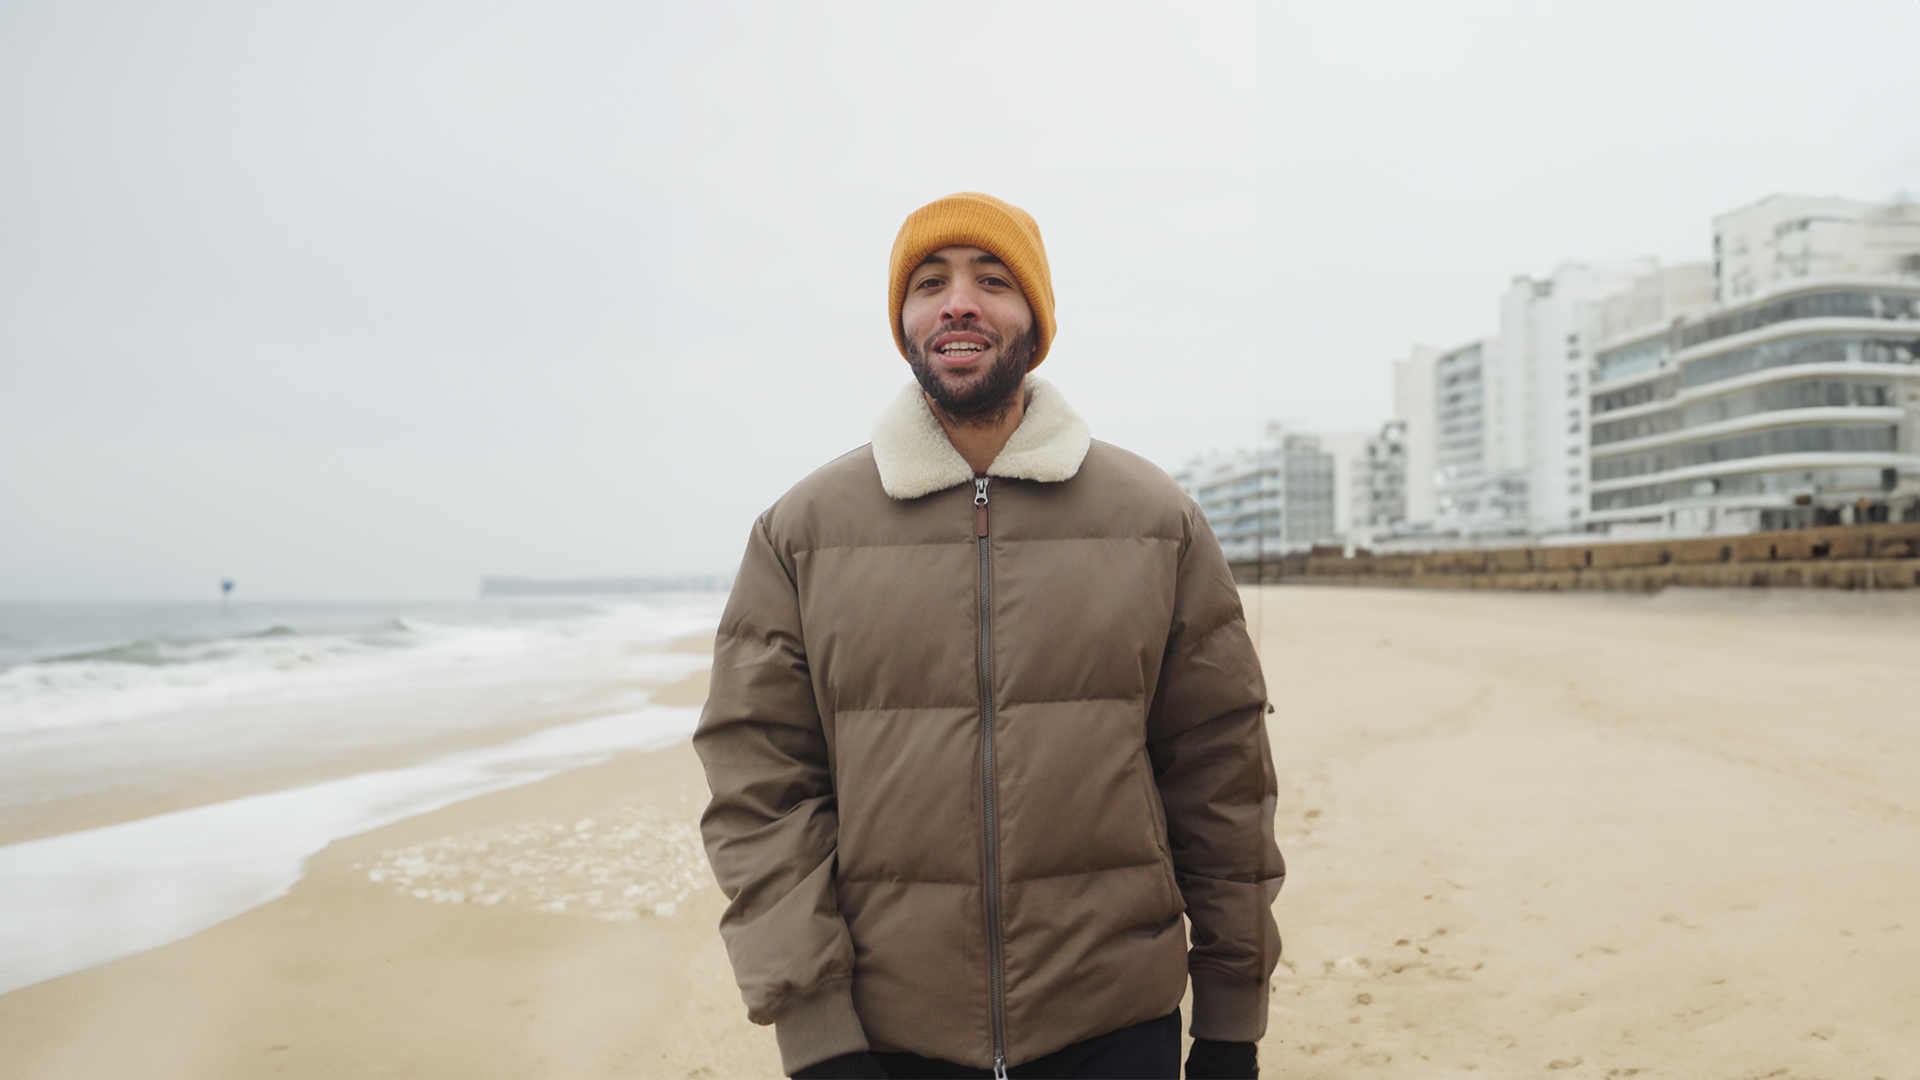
{"x": 1527, "y": 835}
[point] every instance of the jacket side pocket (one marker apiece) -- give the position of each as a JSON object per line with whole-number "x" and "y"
{"x": 1143, "y": 766}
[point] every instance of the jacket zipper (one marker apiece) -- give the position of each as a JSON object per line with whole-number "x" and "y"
{"x": 995, "y": 985}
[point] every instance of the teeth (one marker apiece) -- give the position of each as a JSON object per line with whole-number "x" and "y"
{"x": 961, "y": 348}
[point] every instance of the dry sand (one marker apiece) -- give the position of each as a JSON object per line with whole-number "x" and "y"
{"x": 1565, "y": 836}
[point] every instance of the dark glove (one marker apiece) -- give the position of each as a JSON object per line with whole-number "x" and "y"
{"x": 1212, "y": 1060}
{"x": 859, "y": 1066}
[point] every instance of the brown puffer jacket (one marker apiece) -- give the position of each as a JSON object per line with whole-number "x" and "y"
{"x": 965, "y": 785}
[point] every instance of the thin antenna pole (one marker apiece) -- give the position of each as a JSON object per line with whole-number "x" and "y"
{"x": 1259, "y": 401}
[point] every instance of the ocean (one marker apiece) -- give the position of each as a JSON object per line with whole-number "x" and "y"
{"x": 65, "y": 666}
{"x": 261, "y": 733}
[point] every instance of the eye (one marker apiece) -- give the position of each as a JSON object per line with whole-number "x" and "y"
{"x": 928, "y": 282}
{"x": 991, "y": 280}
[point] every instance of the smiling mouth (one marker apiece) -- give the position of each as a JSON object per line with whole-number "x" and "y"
{"x": 961, "y": 350}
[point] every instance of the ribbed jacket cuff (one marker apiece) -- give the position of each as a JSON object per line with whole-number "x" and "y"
{"x": 1228, "y": 1009}
{"x": 819, "y": 1026}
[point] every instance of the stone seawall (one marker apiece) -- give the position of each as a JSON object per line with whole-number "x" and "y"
{"x": 1836, "y": 557}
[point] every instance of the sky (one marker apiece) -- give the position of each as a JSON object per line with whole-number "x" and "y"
{"x": 367, "y": 300}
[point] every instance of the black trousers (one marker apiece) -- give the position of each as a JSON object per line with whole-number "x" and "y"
{"x": 1149, "y": 1051}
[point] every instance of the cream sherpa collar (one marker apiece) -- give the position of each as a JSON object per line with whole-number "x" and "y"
{"x": 916, "y": 459}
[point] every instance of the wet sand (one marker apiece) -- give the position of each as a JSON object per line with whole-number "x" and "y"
{"x": 346, "y": 977}
{"x": 1528, "y": 835}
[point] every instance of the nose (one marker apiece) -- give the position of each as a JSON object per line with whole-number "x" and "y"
{"x": 962, "y": 303}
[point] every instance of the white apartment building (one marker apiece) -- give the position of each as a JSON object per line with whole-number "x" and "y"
{"x": 1414, "y": 409}
{"x": 1348, "y": 449}
{"x": 1454, "y": 442}
{"x": 1783, "y": 238}
{"x": 1797, "y": 405}
{"x": 1776, "y": 386}
{"x": 1268, "y": 501}
{"x": 1479, "y": 476}
{"x": 1653, "y": 300}
{"x": 1369, "y": 482}
{"x": 1546, "y": 338}
{"x": 1790, "y": 402}
{"x": 1495, "y": 430}
{"x": 1379, "y": 485}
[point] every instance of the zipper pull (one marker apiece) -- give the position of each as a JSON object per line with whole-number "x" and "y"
{"x": 999, "y": 1067}
{"x": 979, "y": 506}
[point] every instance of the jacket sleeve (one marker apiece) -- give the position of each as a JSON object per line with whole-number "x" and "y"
{"x": 1207, "y": 737}
{"x": 772, "y": 825}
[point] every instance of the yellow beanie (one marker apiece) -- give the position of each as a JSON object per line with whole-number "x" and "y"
{"x": 975, "y": 220}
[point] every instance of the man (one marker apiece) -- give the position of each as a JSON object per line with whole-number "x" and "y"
{"x": 985, "y": 721}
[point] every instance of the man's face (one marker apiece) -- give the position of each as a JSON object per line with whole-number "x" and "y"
{"x": 969, "y": 332}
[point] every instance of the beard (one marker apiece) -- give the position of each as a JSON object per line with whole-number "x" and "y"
{"x": 985, "y": 400}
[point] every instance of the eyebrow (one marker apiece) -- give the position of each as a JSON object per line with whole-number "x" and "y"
{"x": 985, "y": 258}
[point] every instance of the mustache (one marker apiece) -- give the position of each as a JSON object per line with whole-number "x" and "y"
{"x": 967, "y": 326}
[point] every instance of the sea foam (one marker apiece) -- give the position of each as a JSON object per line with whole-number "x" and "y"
{"x": 75, "y": 901}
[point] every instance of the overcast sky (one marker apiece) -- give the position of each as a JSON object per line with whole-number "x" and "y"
{"x": 366, "y": 300}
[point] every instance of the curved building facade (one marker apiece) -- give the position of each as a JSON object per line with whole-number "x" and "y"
{"x": 1792, "y": 408}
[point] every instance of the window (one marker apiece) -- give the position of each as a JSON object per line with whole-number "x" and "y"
{"x": 1629, "y": 360}
{"x": 1836, "y": 304}
{"x": 1625, "y": 399}
{"x": 1799, "y": 394}
{"x": 1790, "y": 352}
{"x": 1823, "y": 438}
{"x": 1771, "y": 483}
